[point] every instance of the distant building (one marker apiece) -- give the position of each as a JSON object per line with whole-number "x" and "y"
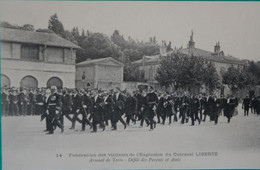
{"x": 150, "y": 64}
{"x": 104, "y": 73}
{"x": 35, "y": 59}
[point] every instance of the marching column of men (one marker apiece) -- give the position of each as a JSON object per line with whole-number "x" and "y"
{"x": 98, "y": 109}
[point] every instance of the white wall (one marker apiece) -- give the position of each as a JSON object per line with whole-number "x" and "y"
{"x": 17, "y": 69}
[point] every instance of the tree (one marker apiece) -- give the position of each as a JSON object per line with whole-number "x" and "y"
{"x": 69, "y": 36}
{"x": 132, "y": 73}
{"x": 211, "y": 77}
{"x": 27, "y": 27}
{"x": 5, "y": 24}
{"x": 238, "y": 78}
{"x": 187, "y": 72}
{"x": 96, "y": 46}
{"x": 135, "y": 50}
{"x": 56, "y": 25}
{"x": 254, "y": 68}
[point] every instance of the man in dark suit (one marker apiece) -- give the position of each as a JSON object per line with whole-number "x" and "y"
{"x": 130, "y": 108}
{"x": 119, "y": 108}
{"x": 108, "y": 107}
{"x": 138, "y": 97}
{"x": 216, "y": 109}
{"x": 253, "y": 104}
{"x": 185, "y": 103}
{"x": 76, "y": 107}
{"x": 98, "y": 114}
{"x": 246, "y": 105}
{"x": 231, "y": 104}
{"x": 202, "y": 100}
{"x": 161, "y": 108}
{"x": 152, "y": 101}
{"x": 209, "y": 108}
{"x": 66, "y": 106}
{"x": 87, "y": 109}
{"x": 194, "y": 109}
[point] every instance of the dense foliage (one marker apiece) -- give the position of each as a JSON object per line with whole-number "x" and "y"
{"x": 187, "y": 72}
{"x": 239, "y": 78}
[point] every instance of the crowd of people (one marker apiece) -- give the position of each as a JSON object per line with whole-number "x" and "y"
{"x": 99, "y": 108}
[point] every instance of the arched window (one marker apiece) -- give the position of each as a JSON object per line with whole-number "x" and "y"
{"x": 5, "y": 81}
{"x": 29, "y": 82}
{"x": 54, "y": 81}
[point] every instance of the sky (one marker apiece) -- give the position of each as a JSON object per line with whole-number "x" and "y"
{"x": 236, "y": 25}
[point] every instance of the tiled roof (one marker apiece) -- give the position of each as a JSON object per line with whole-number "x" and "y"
{"x": 40, "y": 38}
{"x": 193, "y": 52}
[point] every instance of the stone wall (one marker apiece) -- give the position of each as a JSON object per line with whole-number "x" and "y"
{"x": 110, "y": 73}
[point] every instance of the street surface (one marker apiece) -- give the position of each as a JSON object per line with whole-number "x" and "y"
{"x": 234, "y": 145}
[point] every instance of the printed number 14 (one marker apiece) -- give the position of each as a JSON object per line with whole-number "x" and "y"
{"x": 58, "y": 155}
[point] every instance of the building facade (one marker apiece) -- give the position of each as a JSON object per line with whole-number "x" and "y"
{"x": 149, "y": 64}
{"x": 104, "y": 73}
{"x": 35, "y": 59}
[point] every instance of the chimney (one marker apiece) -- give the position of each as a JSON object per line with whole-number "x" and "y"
{"x": 217, "y": 48}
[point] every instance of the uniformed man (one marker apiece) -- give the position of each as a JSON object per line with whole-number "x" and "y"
{"x": 39, "y": 108}
{"x": 14, "y": 110}
{"x": 22, "y": 102}
{"x": 54, "y": 110}
{"x": 4, "y": 102}
{"x": 32, "y": 102}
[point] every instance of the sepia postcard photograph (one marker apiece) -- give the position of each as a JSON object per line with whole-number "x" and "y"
{"x": 130, "y": 85}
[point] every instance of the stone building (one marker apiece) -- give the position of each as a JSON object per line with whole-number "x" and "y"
{"x": 150, "y": 64}
{"x": 35, "y": 59}
{"x": 104, "y": 73}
